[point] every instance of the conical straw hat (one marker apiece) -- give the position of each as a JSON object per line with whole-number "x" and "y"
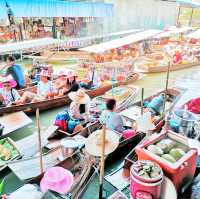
{"x": 93, "y": 143}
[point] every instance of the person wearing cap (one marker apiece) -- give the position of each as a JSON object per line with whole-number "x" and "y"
{"x": 79, "y": 107}
{"x": 110, "y": 118}
{"x": 45, "y": 89}
{"x": 8, "y": 94}
{"x": 16, "y": 72}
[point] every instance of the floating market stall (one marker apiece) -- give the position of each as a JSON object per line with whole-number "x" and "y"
{"x": 74, "y": 43}
{"x": 114, "y": 59}
{"x": 170, "y": 47}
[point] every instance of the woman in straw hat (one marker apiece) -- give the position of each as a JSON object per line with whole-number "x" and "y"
{"x": 79, "y": 107}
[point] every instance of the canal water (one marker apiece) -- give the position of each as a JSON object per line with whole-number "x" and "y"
{"x": 151, "y": 84}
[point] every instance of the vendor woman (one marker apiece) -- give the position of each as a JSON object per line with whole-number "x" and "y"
{"x": 110, "y": 118}
{"x": 79, "y": 107}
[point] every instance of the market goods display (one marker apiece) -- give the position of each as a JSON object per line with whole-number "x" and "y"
{"x": 147, "y": 169}
{"x": 8, "y": 151}
{"x": 168, "y": 149}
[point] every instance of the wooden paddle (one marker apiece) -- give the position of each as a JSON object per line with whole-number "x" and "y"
{"x": 142, "y": 101}
{"x": 102, "y": 163}
{"x": 166, "y": 86}
{"x": 39, "y": 139}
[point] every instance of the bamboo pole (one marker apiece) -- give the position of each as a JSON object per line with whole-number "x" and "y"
{"x": 102, "y": 163}
{"x": 39, "y": 139}
{"x": 142, "y": 101}
{"x": 166, "y": 86}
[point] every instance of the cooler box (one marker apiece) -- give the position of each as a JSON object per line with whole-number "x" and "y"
{"x": 182, "y": 171}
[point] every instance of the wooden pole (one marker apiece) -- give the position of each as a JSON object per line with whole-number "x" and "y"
{"x": 102, "y": 163}
{"x": 142, "y": 101}
{"x": 166, "y": 86}
{"x": 39, "y": 139}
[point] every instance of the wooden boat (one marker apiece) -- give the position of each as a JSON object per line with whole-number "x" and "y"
{"x": 13, "y": 122}
{"x": 173, "y": 95}
{"x": 158, "y": 69}
{"x": 80, "y": 164}
{"x": 61, "y": 101}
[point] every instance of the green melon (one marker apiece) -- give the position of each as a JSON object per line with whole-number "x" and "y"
{"x": 169, "y": 158}
{"x": 166, "y": 145}
{"x": 155, "y": 149}
{"x": 177, "y": 153}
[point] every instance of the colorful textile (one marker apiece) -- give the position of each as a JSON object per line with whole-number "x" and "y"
{"x": 193, "y": 105}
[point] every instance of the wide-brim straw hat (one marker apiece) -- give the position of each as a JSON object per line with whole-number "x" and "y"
{"x": 93, "y": 143}
{"x": 57, "y": 179}
{"x": 80, "y": 97}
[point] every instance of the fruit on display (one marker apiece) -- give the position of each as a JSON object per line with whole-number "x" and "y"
{"x": 155, "y": 149}
{"x": 168, "y": 149}
{"x": 166, "y": 145}
{"x": 177, "y": 153}
{"x": 7, "y": 151}
{"x": 169, "y": 158}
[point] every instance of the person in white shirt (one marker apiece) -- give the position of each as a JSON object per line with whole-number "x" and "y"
{"x": 8, "y": 94}
{"x": 45, "y": 90}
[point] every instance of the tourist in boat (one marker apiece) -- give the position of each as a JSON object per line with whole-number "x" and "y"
{"x": 16, "y": 72}
{"x": 61, "y": 84}
{"x": 45, "y": 90}
{"x": 110, "y": 118}
{"x": 79, "y": 107}
{"x": 9, "y": 95}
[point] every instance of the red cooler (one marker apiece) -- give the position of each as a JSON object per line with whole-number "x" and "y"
{"x": 180, "y": 172}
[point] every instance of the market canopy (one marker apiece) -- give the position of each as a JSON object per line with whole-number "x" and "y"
{"x": 99, "y": 48}
{"x": 26, "y": 45}
{"x": 58, "y": 8}
{"x": 194, "y": 35}
{"x": 192, "y": 3}
{"x": 173, "y": 32}
{"x": 3, "y": 10}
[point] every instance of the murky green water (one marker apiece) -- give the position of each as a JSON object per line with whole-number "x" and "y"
{"x": 151, "y": 83}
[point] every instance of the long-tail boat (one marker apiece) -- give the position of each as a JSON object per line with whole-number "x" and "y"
{"x": 81, "y": 165}
{"x": 63, "y": 100}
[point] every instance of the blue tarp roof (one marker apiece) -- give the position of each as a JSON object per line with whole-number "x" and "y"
{"x": 3, "y": 10}
{"x": 58, "y": 8}
{"x": 191, "y": 3}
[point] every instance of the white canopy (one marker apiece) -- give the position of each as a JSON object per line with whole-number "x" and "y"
{"x": 194, "y": 35}
{"x": 173, "y": 31}
{"x": 89, "y": 40}
{"x": 26, "y": 45}
{"x": 99, "y": 48}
